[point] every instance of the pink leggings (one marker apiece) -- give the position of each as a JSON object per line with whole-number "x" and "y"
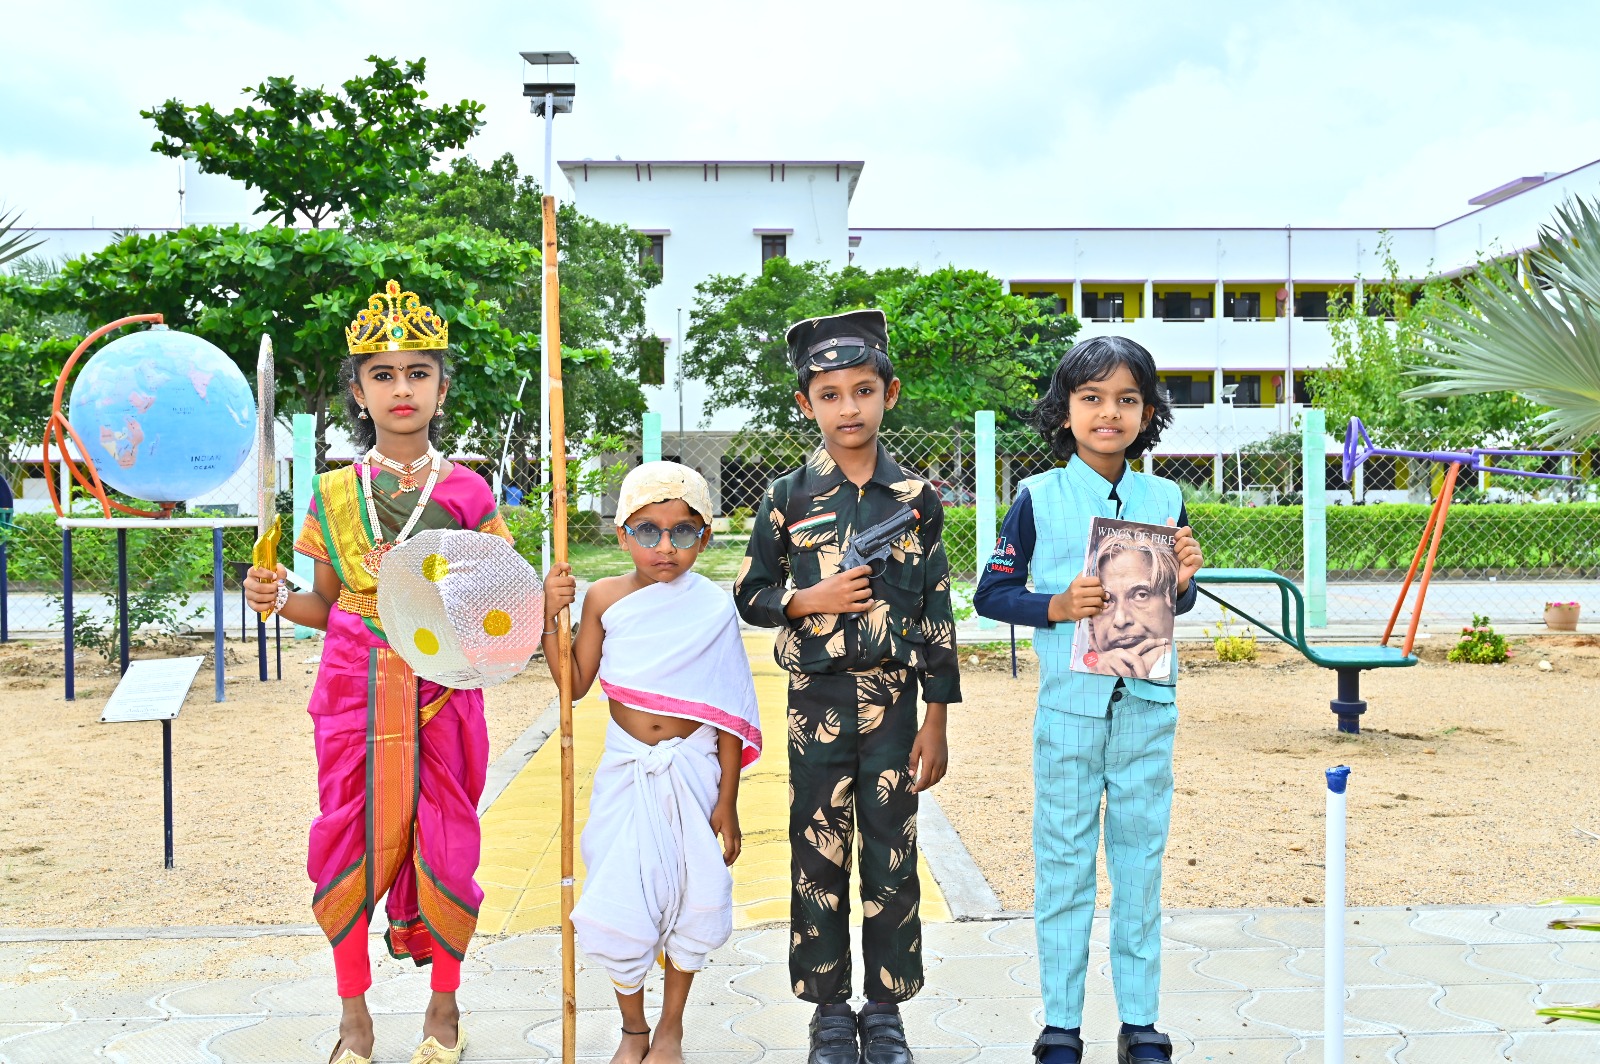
{"x": 352, "y": 966}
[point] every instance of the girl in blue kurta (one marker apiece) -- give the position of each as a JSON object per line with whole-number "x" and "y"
{"x": 1093, "y": 735}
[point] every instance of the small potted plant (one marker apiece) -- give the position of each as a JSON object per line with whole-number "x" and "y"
{"x": 1561, "y": 616}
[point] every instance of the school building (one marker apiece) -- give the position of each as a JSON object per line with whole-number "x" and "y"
{"x": 1235, "y": 317}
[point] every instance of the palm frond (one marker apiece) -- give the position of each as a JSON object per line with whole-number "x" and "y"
{"x": 12, "y": 247}
{"x": 1586, "y": 1013}
{"x": 1541, "y": 342}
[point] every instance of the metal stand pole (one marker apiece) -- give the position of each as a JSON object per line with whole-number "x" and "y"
{"x": 277, "y": 640}
{"x": 1333, "y": 926}
{"x": 166, "y": 784}
{"x": 216, "y": 601}
{"x": 1013, "y": 652}
{"x": 122, "y": 599}
{"x": 66, "y": 604}
{"x": 5, "y": 594}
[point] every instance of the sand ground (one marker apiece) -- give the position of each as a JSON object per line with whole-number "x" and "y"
{"x": 1470, "y": 784}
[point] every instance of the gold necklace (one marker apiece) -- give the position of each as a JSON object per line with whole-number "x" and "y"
{"x": 373, "y": 559}
{"x": 407, "y": 474}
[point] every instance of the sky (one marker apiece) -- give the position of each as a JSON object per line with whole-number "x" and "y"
{"x": 1002, "y": 113}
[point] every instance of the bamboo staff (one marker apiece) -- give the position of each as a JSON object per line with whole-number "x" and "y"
{"x": 558, "y": 529}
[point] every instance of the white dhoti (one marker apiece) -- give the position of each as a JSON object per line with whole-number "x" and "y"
{"x": 656, "y": 880}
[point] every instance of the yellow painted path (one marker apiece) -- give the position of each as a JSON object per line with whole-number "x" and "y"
{"x": 521, "y": 869}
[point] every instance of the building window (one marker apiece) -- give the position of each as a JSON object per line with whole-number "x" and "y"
{"x": 774, "y": 246}
{"x": 1249, "y": 393}
{"x": 1049, "y": 302}
{"x": 1103, "y": 306}
{"x": 652, "y": 359}
{"x": 655, "y": 251}
{"x": 1186, "y": 390}
{"x": 1242, "y": 306}
{"x": 1182, "y": 306}
{"x": 1313, "y": 306}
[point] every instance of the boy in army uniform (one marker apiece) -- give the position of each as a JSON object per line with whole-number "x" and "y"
{"x": 856, "y": 641}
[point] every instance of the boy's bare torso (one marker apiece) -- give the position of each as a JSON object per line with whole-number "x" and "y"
{"x": 644, "y": 726}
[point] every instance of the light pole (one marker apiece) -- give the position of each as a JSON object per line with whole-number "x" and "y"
{"x": 1230, "y": 395}
{"x": 547, "y": 97}
{"x": 679, "y": 361}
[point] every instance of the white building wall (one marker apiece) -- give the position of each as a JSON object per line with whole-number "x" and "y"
{"x": 711, "y": 212}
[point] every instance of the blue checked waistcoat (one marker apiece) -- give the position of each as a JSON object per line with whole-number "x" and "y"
{"x": 1064, "y": 500}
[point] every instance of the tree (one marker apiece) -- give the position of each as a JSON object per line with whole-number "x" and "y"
{"x": 735, "y": 341}
{"x": 1377, "y": 351}
{"x": 603, "y": 282}
{"x": 1538, "y": 342}
{"x": 12, "y": 247}
{"x": 230, "y": 285}
{"x": 961, "y": 344}
{"x": 314, "y": 153}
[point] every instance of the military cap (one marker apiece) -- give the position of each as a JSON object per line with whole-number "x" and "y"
{"x": 838, "y": 340}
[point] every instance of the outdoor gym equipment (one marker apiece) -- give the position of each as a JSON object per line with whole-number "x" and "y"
{"x": 1348, "y": 662}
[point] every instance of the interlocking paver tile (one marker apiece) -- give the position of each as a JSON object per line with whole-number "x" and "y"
{"x": 1017, "y": 935}
{"x": 1271, "y": 1050}
{"x": 777, "y": 1026}
{"x": 1386, "y": 927}
{"x": 70, "y": 1042}
{"x": 218, "y": 997}
{"x": 35, "y": 1002}
{"x": 1025, "y": 970}
{"x": 974, "y": 977}
{"x": 970, "y": 939}
{"x": 1534, "y": 921}
{"x": 764, "y": 983}
{"x": 1360, "y": 968}
{"x": 1530, "y": 961}
{"x": 1252, "y": 969}
{"x": 280, "y": 1038}
{"x": 1179, "y": 973}
{"x": 520, "y": 951}
{"x": 1468, "y": 925}
{"x": 923, "y": 1029}
{"x": 116, "y": 1002}
{"x": 1408, "y": 1010}
{"x": 706, "y": 1029}
{"x": 1555, "y": 1047}
{"x": 1566, "y": 993}
{"x": 1205, "y": 1014}
{"x": 1580, "y": 955}
{"x": 175, "y": 1040}
{"x": 1453, "y": 1048}
{"x": 1442, "y": 963}
{"x": 9, "y": 1031}
{"x": 503, "y": 1033}
{"x": 769, "y": 944}
{"x": 1365, "y": 1049}
{"x": 999, "y": 1021}
{"x": 1298, "y": 1012}
{"x": 1207, "y": 930}
{"x": 1504, "y": 1006}
{"x": 1292, "y": 927}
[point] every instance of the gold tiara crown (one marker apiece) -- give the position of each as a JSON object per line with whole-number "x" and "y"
{"x": 396, "y": 321}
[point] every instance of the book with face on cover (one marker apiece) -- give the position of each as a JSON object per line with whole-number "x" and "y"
{"x": 1132, "y": 635}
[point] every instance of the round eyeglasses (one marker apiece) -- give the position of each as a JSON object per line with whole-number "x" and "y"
{"x": 647, "y": 535}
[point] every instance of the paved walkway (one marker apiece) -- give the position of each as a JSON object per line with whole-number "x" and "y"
{"x": 1434, "y": 986}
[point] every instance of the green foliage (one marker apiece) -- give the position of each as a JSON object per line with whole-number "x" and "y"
{"x": 34, "y": 556}
{"x": 739, "y": 517}
{"x": 961, "y": 343}
{"x": 230, "y": 285}
{"x": 735, "y": 338}
{"x": 1478, "y": 538}
{"x": 1541, "y": 340}
{"x": 1231, "y": 645}
{"x": 527, "y": 523}
{"x": 158, "y": 608}
{"x": 1480, "y": 644}
{"x": 1376, "y": 357}
{"x": 314, "y": 153}
{"x": 12, "y": 246}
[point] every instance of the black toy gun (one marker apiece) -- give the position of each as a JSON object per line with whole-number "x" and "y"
{"x": 870, "y": 546}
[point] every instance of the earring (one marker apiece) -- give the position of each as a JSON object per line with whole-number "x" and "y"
{"x": 363, "y": 414}
{"x": 439, "y": 412}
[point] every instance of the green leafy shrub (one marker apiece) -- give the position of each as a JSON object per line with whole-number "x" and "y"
{"x": 1480, "y": 644}
{"x": 739, "y": 518}
{"x": 1231, "y": 645}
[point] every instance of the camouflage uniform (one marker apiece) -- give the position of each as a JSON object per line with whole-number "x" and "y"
{"x": 853, "y": 715}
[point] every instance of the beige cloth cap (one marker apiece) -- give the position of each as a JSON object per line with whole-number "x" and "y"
{"x": 655, "y": 482}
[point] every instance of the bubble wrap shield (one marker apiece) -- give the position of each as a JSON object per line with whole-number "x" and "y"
{"x": 462, "y": 608}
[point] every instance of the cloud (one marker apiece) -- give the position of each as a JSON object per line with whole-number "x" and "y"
{"x": 1002, "y": 113}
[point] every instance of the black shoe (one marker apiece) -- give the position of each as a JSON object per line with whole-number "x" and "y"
{"x": 833, "y": 1039}
{"x": 1128, "y": 1039}
{"x": 1053, "y": 1039}
{"x": 883, "y": 1039}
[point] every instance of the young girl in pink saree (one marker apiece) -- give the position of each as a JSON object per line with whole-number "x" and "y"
{"x": 400, "y": 761}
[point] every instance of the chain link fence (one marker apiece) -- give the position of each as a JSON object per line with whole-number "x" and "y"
{"x": 1510, "y": 545}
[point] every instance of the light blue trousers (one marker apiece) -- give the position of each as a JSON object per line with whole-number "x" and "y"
{"x": 1126, "y": 756}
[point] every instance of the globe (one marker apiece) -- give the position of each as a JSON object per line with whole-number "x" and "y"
{"x": 165, "y": 415}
